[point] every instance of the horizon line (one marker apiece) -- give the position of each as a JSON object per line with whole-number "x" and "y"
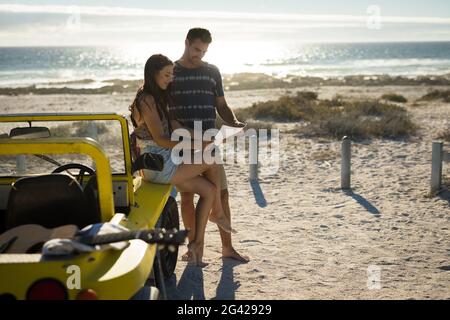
{"x": 140, "y": 44}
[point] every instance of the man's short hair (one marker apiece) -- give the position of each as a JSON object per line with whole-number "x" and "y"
{"x": 199, "y": 33}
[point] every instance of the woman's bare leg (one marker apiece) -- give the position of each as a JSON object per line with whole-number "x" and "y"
{"x": 212, "y": 173}
{"x": 188, "y": 171}
{"x": 217, "y": 214}
{"x": 206, "y": 190}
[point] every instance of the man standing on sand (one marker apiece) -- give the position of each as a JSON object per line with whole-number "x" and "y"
{"x": 198, "y": 93}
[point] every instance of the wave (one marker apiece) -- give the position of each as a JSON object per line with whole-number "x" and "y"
{"x": 362, "y": 62}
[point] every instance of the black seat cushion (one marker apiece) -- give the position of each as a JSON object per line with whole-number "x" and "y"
{"x": 2, "y": 221}
{"x": 50, "y": 201}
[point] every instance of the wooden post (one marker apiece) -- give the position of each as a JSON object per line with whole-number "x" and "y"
{"x": 345, "y": 162}
{"x": 21, "y": 164}
{"x": 253, "y": 157}
{"x": 92, "y": 133}
{"x": 436, "y": 166}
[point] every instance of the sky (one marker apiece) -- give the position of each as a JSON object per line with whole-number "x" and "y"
{"x": 106, "y": 22}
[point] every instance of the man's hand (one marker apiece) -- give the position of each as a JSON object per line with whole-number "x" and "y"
{"x": 227, "y": 114}
{"x": 238, "y": 124}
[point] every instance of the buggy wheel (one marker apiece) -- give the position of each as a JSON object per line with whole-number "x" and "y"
{"x": 169, "y": 219}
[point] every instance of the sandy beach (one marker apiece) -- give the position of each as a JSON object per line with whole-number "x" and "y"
{"x": 302, "y": 76}
{"x": 310, "y": 240}
{"x": 307, "y": 238}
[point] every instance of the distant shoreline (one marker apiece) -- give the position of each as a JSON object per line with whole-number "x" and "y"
{"x": 235, "y": 82}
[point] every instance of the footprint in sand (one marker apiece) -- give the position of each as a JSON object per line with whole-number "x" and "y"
{"x": 251, "y": 241}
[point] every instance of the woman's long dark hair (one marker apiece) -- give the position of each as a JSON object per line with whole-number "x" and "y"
{"x": 162, "y": 97}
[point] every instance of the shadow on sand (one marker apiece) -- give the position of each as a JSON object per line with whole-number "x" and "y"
{"x": 445, "y": 195}
{"x": 227, "y": 286}
{"x": 363, "y": 202}
{"x": 190, "y": 286}
{"x": 191, "y": 283}
{"x": 257, "y": 192}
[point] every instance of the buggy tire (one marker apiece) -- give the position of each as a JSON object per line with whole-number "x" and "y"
{"x": 169, "y": 219}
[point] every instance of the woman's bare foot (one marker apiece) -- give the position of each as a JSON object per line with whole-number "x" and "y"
{"x": 195, "y": 253}
{"x": 222, "y": 222}
{"x": 233, "y": 254}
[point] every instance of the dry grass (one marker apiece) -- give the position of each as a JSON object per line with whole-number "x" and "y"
{"x": 336, "y": 117}
{"x": 445, "y": 135}
{"x": 394, "y": 97}
{"x": 436, "y": 95}
{"x": 82, "y": 128}
{"x": 77, "y": 129}
{"x": 324, "y": 155}
{"x": 282, "y": 109}
{"x": 61, "y": 131}
{"x": 286, "y": 108}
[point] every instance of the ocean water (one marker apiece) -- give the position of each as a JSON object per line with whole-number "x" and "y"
{"x": 92, "y": 67}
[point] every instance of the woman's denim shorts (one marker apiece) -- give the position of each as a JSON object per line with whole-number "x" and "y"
{"x": 164, "y": 176}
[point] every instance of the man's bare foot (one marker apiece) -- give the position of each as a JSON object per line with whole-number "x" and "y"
{"x": 195, "y": 255}
{"x": 233, "y": 254}
{"x": 200, "y": 264}
{"x": 223, "y": 223}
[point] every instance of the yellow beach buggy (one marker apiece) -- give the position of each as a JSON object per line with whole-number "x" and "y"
{"x": 62, "y": 172}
